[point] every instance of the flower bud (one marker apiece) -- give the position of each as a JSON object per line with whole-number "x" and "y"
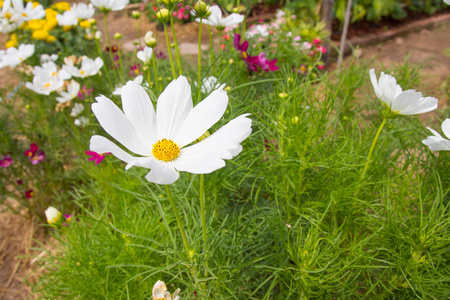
{"x": 149, "y": 39}
{"x": 202, "y": 10}
{"x": 92, "y": 21}
{"x": 53, "y": 216}
{"x": 170, "y": 4}
{"x": 98, "y": 35}
{"x": 117, "y": 36}
{"x": 163, "y": 15}
{"x": 135, "y": 14}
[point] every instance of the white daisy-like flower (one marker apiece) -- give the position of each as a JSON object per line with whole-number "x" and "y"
{"x": 77, "y": 109}
{"x": 83, "y": 11}
{"x": 145, "y": 55}
{"x": 447, "y": 2}
{"x": 69, "y": 18}
{"x": 138, "y": 80}
{"x": 48, "y": 57}
{"x": 29, "y": 12}
{"x": 436, "y": 142}
{"x": 110, "y": 5}
{"x": 81, "y": 121}
{"x": 14, "y": 56}
{"x": 47, "y": 78}
{"x": 53, "y": 216}
{"x": 72, "y": 92}
{"x": 397, "y": 102}
{"x": 209, "y": 84}
{"x": 89, "y": 67}
{"x": 164, "y": 139}
{"x": 216, "y": 19}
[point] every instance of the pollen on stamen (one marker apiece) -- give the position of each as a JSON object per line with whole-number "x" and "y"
{"x": 165, "y": 150}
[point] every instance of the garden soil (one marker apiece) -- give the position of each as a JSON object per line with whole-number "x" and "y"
{"x": 18, "y": 233}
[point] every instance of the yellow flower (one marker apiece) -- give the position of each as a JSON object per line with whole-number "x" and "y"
{"x": 35, "y": 4}
{"x": 12, "y": 42}
{"x": 1, "y": 3}
{"x": 50, "y": 24}
{"x": 36, "y": 24}
{"x": 85, "y": 24}
{"x": 282, "y": 95}
{"x": 61, "y": 6}
{"x": 66, "y": 28}
{"x": 50, "y": 39}
{"x": 50, "y": 13}
{"x": 40, "y": 34}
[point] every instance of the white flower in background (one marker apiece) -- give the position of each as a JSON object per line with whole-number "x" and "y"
{"x": 69, "y": 18}
{"x": 447, "y": 2}
{"x": 395, "y": 101}
{"x": 210, "y": 84}
{"x": 160, "y": 292}
{"x": 9, "y": 20}
{"x": 81, "y": 121}
{"x": 14, "y": 56}
{"x": 164, "y": 139}
{"x": 89, "y": 67}
{"x": 54, "y": 216}
{"x": 149, "y": 39}
{"x": 77, "y": 109}
{"x": 436, "y": 142}
{"x": 118, "y": 90}
{"x": 72, "y": 92}
{"x": 83, "y": 11}
{"x": 98, "y": 35}
{"x": 110, "y": 5}
{"x": 260, "y": 29}
{"x": 46, "y": 58}
{"x": 216, "y": 19}
{"x": 145, "y": 55}
{"x": 47, "y": 78}
{"x": 29, "y": 12}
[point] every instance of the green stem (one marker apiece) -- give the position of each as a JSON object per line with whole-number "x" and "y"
{"x": 211, "y": 51}
{"x": 104, "y": 63}
{"x": 120, "y": 60}
{"x": 202, "y": 208}
{"x": 108, "y": 40}
{"x": 199, "y": 61}
{"x": 183, "y": 234}
{"x": 176, "y": 46}
{"x": 170, "y": 52}
{"x": 369, "y": 157}
{"x": 149, "y": 78}
{"x": 139, "y": 33}
{"x": 155, "y": 69}
{"x": 220, "y": 42}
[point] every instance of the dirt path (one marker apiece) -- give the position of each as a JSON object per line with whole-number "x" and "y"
{"x": 430, "y": 47}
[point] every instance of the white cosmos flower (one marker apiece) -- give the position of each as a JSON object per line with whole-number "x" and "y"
{"x": 216, "y": 19}
{"x": 13, "y": 57}
{"x": 81, "y": 121}
{"x": 83, "y": 11}
{"x": 72, "y": 91}
{"x": 145, "y": 55}
{"x": 47, "y": 78}
{"x": 77, "y": 109}
{"x": 164, "y": 138}
{"x": 118, "y": 90}
{"x": 436, "y": 142}
{"x": 395, "y": 101}
{"x": 110, "y": 5}
{"x": 29, "y": 12}
{"x": 46, "y": 57}
{"x": 69, "y": 18}
{"x": 209, "y": 84}
{"x": 89, "y": 67}
{"x": 447, "y": 2}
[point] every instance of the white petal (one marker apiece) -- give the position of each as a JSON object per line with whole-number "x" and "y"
{"x": 233, "y": 19}
{"x": 412, "y": 103}
{"x": 373, "y": 78}
{"x": 388, "y": 87}
{"x": 119, "y": 127}
{"x": 446, "y": 127}
{"x": 101, "y": 145}
{"x": 202, "y": 117}
{"x": 162, "y": 173}
{"x": 174, "y": 104}
{"x": 208, "y": 155}
{"x": 138, "y": 108}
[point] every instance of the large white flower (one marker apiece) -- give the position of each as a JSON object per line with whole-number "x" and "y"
{"x": 436, "y": 142}
{"x": 216, "y": 19}
{"x": 89, "y": 67}
{"x": 145, "y": 55}
{"x": 110, "y": 5}
{"x": 13, "y": 57}
{"x": 395, "y": 101}
{"x": 47, "y": 78}
{"x": 163, "y": 138}
{"x": 72, "y": 91}
{"x": 118, "y": 90}
{"x": 83, "y": 11}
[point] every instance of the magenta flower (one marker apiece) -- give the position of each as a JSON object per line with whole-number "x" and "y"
{"x": 32, "y": 151}
{"x": 29, "y": 194}
{"x": 84, "y": 92}
{"x": 262, "y": 62}
{"x": 35, "y": 156}
{"x": 6, "y": 161}
{"x": 96, "y": 156}
{"x": 114, "y": 49}
{"x": 317, "y": 41}
{"x": 240, "y": 47}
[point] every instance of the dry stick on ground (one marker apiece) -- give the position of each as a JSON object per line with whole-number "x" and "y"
{"x": 348, "y": 13}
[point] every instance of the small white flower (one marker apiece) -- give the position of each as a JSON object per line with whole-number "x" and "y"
{"x": 46, "y": 58}
{"x": 53, "y": 216}
{"x": 210, "y": 84}
{"x": 118, "y": 90}
{"x": 13, "y": 57}
{"x": 47, "y": 78}
{"x": 77, "y": 109}
{"x": 164, "y": 139}
{"x": 98, "y": 35}
{"x": 261, "y": 30}
{"x": 29, "y": 12}
{"x": 81, "y": 121}
{"x": 395, "y": 101}
{"x": 69, "y": 18}
{"x": 83, "y": 11}
{"x": 216, "y": 19}
{"x": 160, "y": 292}
{"x": 149, "y": 39}
{"x": 145, "y": 55}
{"x": 110, "y": 5}
{"x": 89, "y": 67}
{"x": 436, "y": 142}
{"x": 72, "y": 91}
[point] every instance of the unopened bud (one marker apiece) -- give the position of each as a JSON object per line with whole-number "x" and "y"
{"x": 135, "y": 14}
{"x": 117, "y": 36}
{"x": 53, "y": 216}
{"x": 202, "y": 10}
{"x": 98, "y": 35}
{"x": 149, "y": 39}
{"x": 163, "y": 15}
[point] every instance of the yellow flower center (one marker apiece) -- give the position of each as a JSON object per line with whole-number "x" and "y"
{"x": 47, "y": 85}
{"x": 24, "y": 15}
{"x": 82, "y": 72}
{"x": 244, "y": 54}
{"x": 165, "y": 150}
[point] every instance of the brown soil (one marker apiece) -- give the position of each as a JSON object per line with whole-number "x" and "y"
{"x": 17, "y": 232}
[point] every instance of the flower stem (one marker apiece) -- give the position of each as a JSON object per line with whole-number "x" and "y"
{"x": 202, "y": 208}
{"x": 107, "y": 39}
{"x": 104, "y": 63}
{"x": 155, "y": 69}
{"x": 149, "y": 78}
{"x": 176, "y": 46}
{"x": 183, "y": 234}
{"x": 139, "y": 33}
{"x": 199, "y": 62}
{"x": 369, "y": 157}
{"x": 211, "y": 52}
{"x": 170, "y": 52}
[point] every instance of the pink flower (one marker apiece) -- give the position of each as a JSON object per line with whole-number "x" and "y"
{"x": 317, "y": 41}
{"x": 38, "y": 158}
{"x": 84, "y": 92}
{"x": 312, "y": 53}
{"x": 33, "y": 154}
{"x": 96, "y": 156}
{"x": 265, "y": 64}
{"x": 307, "y": 45}
{"x": 6, "y": 161}
{"x": 297, "y": 38}
{"x": 320, "y": 67}
{"x": 322, "y": 49}
{"x": 29, "y": 194}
